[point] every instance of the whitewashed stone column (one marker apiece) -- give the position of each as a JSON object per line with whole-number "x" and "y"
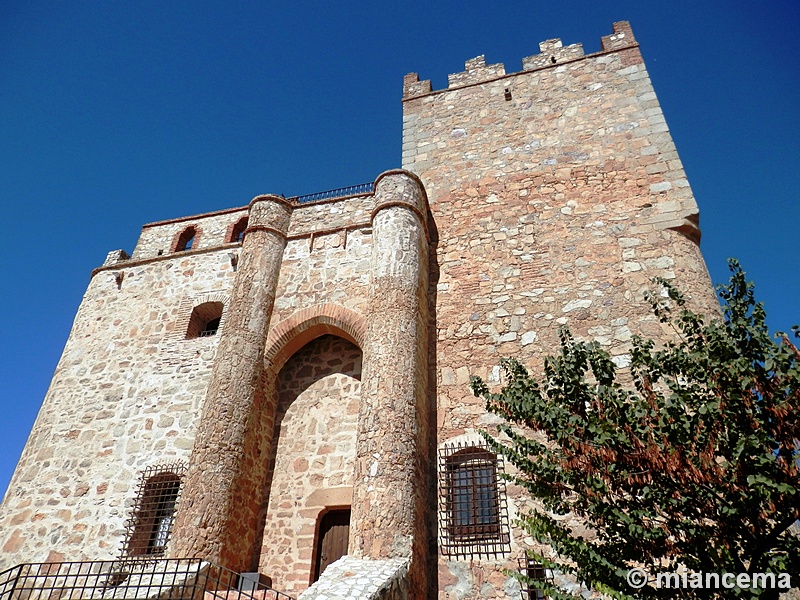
{"x": 389, "y": 492}
{"x": 218, "y": 511}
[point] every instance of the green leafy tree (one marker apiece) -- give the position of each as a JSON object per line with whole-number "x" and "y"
{"x": 688, "y": 460}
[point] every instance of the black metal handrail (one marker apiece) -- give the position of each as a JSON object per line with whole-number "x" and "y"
{"x": 129, "y": 579}
{"x": 352, "y": 190}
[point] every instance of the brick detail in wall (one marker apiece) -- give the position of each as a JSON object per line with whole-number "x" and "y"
{"x": 294, "y": 332}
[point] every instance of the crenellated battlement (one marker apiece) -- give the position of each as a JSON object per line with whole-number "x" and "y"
{"x": 476, "y": 71}
{"x": 551, "y": 52}
{"x": 621, "y": 38}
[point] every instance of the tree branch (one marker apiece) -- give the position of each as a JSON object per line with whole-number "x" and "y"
{"x": 769, "y": 540}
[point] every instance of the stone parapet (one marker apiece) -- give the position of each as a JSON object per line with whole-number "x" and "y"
{"x": 475, "y": 71}
{"x": 157, "y": 239}
{"x": 412, "y": 86}
{"x": 114, "y": 257}
{"x": 551, "y": 52}
{"x": 621, "y": 38}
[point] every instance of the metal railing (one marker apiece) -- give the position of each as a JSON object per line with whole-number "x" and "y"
{"x": 174, "y": 579}
{"x": 352, "y": 190}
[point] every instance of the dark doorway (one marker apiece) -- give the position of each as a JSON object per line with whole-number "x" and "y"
{"x": 334, "y": 529}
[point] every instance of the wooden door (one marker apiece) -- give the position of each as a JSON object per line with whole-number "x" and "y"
{"x": 334, "y": 529}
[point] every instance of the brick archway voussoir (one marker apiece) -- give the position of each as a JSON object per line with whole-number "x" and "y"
{"x": 294, "y": 332}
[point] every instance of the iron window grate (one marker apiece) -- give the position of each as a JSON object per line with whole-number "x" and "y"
{"x": 534, "y": 570}
{"x": 148, "y": 529}
{"x": 184, "y": 578}
{"x": 473, "y": 510}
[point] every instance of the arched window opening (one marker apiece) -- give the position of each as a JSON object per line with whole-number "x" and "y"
{"x": 187, "y": 239}
{"x": 237, "y": 233}
{"x": 153, "y": 514}
{"x": 204, "y": 320}
{"x": 473, "y": 505}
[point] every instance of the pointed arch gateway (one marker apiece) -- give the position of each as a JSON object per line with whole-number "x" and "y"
{"x": 229, "y": 466}
{"x": 313, "y": 370}
{"x": 390, "y": 494}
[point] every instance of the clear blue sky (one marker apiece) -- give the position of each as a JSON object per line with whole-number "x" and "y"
{"x": 117, "y": 114}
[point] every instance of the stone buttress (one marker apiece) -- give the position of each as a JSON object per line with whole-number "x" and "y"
{"x": 220, "y": 505}
{"x": 393, "y": 419}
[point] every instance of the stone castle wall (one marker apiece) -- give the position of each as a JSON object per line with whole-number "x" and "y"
{"x": 129, "y": 388}
{"x": 125, "y": 395}
{"x": 558, "y": 195}
{"x": 213, "y": 230}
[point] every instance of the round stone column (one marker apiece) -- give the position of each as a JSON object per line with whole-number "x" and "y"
{"x": 389, "y": 493}
{"x": 218, "y": 509}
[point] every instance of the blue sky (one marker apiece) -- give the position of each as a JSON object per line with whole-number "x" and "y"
{"x": 117, "y": 114}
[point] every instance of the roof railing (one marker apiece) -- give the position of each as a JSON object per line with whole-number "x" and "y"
{"x": 351, "y": 190}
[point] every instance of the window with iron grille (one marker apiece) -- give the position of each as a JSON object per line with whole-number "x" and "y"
{"x": 149, "y": 526}
{"x": 473, "y": 510}
{"x": 532, "y": 569}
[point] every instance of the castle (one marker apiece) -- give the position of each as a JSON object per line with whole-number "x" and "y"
{"x": 273, "y": 387}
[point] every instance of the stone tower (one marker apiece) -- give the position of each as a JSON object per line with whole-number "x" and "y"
{"x": 289, "y": 379}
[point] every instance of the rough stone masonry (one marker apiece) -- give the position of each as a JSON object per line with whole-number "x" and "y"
{"x": 306, "y": 356}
